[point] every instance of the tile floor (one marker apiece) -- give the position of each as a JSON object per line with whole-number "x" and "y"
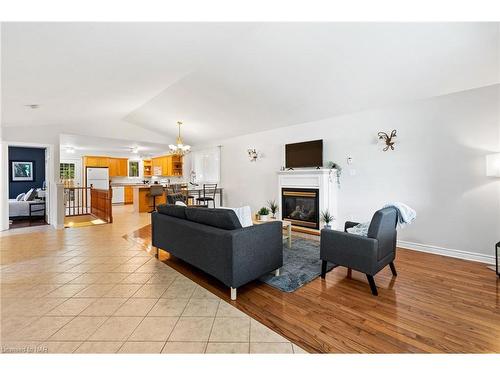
{"x": 88, "y": 290}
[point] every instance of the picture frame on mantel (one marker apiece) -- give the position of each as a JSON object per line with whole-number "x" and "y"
{"x": 22, "y": 170}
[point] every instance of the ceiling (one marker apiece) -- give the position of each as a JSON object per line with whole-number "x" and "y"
{"x": 135, "y": 80}
{"x": 87, "y": 145}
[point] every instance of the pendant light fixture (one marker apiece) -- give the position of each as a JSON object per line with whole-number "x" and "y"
{"x": 180, "y": 148}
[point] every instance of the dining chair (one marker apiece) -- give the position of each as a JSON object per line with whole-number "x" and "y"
{"x": 209, "y": 191}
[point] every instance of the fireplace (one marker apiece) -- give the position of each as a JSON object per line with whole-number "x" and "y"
{"x": 300, "y": 206}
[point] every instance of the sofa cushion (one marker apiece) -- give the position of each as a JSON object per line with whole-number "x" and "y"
{"x": 172, "y": 210}
{"x": 215, "y": 217}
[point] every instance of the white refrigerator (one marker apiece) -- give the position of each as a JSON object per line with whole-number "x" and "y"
{"x": 98, "y": 177}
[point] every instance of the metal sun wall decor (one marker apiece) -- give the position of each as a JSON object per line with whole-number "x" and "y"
{"x": 389, "y": 140}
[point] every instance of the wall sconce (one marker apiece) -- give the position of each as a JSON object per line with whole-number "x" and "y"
{"x": 493, "y": 165}
{"x": 252, "y": 154}
{"x": 389, "y": 140}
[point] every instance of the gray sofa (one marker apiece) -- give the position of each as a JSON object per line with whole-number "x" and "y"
{"x": 214, "y": 241}
{"x": 364, "y": 254}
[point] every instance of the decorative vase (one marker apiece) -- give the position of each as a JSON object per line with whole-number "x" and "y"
{"x": 264, "y": 217}
{"x": 328, "y": 226}
{"x": 273, "y": 216}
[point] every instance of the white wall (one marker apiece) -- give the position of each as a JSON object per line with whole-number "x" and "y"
{"x": 438, "y": 168}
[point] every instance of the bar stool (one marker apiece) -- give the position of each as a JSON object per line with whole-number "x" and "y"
{"x": 155, "y": 191}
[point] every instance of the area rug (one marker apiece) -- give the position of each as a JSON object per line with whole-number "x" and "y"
{"x": 301, "y": 265}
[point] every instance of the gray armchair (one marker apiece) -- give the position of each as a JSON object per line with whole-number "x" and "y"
{"x": 364, "y": 254}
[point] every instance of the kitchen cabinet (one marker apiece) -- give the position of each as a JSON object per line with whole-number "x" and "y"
{"x": 148, "y": 170}
{"x": 95, "y": 161}
{"x": 113, "y": 167}
{"x": 122, "y": 167}
{"x": 168, "y": 165}
{"x": 116, "y": 166}
{"x": 129, "y": 195}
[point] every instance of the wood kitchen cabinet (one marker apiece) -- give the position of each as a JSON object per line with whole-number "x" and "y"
{"x": 168, "y": 165}
{"x": 113, "y": 167}
{"x": 95, "y": 161}
{"x": 116, "y": 166}
{"x": 148, "y": 168}
{"x": 122, "y": 167}
{"x": 129, "y": 195}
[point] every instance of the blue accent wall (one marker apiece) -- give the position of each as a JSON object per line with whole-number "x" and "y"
{"x": 37, "y": 155}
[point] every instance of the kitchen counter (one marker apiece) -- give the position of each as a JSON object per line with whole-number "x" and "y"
{"x": 142, "y": 201}
{"x": 118, "y": 184}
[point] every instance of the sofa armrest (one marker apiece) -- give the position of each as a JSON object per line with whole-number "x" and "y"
{"x": 257, "y": 249}
{"x": 349, "y": 224}
{"x": 349, "y": 250}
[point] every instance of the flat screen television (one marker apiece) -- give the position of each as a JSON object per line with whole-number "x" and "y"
{"x": 304, "y": 154}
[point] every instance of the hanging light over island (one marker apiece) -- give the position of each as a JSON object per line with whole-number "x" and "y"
{"x": 180, "y": 148}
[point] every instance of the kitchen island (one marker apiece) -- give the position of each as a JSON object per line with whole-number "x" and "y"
{"x": 142, "y": 201}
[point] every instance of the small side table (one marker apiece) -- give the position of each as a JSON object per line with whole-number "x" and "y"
{"x": 287, "y": 225}
{"x": 33, "y": 208}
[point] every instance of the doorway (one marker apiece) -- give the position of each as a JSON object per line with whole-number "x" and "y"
{"x": 28, "y": 196}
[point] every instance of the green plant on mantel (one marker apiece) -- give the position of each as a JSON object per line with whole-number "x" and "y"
{"x": 264, "y": 211}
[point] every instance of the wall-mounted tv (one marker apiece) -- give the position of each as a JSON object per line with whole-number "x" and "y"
{"x": 304, "y": 154}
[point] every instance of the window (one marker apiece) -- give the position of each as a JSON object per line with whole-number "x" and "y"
{"x": 206, "y": 165}
{"x": 133, "y": 168}
{"x": 67, "y": 171}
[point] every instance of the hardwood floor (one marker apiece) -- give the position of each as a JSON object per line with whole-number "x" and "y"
{"x": 436, "y": 304}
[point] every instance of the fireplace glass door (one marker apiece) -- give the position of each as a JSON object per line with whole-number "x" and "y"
{"x": 301, "y": 207}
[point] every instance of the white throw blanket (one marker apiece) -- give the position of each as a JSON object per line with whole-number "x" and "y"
{"x": 405, "y": 215}
{"x": 244, "y": 215}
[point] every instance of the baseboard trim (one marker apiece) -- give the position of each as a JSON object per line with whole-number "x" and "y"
{"x": 466, "y": 255}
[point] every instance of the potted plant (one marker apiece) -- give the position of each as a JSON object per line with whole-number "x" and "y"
{"x": 327, "y": 218}
{"x": 264, "y": 214}
{"x": 273, "y": 207}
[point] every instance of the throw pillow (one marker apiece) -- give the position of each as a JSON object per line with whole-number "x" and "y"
{"x": 20, "y": 197}
{"x": 30, "y": 195}
{"x": 180, "y": 203}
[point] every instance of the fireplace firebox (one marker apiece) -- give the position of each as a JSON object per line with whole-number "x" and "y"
{"x": 300, "y": 206}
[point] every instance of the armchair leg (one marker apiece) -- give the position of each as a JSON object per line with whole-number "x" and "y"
{"x": 349, "y": 273}
{"x": 233, "y": 294}
{"x": 323, "y": 268}
{"x": 277, "y": 272}
{"x": 393, "y": 269}
{"x": 373, "y": 286}
{"x": 157, "y": 252}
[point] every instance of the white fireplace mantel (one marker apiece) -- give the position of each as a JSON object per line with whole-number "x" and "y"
{"x": 320, "y": 179}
